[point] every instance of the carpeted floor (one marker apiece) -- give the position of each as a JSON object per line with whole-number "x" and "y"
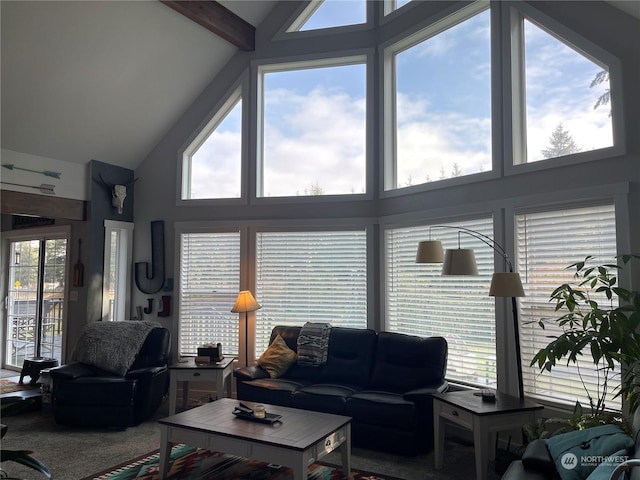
{"x": 73, "y": 453}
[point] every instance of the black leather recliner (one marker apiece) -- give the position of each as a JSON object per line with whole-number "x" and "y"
{"x": 85, "y": 395}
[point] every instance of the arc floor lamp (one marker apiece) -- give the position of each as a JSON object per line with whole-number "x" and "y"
{"x": 246, "y": 303}
{"x": 462, "y": 261}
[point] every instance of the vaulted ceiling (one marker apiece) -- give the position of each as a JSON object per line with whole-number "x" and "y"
{"x": 105, "y": 80}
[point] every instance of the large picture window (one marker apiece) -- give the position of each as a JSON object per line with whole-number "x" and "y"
{"x": 547, "y": 242}
{"x": 314, "y": 131}
{"x": 564, "y": 95}
{"x": 419, "y": 301}
{"x": 442, "y": 103}
{"x": 310, "y": 276}
{"x": 209, "y": 285}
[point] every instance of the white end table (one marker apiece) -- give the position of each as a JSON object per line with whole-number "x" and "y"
{"x": 483, "y": 419}
{"x": 185, "y": 372}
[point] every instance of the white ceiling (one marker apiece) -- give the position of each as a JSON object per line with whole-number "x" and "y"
{"x": 105, "y": 80}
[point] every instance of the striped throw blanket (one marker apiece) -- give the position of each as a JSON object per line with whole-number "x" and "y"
{"x": 313, "y": 344}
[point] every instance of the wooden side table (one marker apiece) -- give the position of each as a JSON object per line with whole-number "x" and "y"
{"x": 188, "y": 371}
{"x": 483, "y": 419}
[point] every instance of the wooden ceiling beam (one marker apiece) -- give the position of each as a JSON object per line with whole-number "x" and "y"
{"x": 19, "y": 203}
{"x": 219, "y": 20}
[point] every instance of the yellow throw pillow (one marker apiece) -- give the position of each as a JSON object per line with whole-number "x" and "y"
{"x": 277, "y": 358}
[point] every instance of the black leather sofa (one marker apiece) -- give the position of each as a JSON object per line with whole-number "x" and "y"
{"x": 85, "y": 395}
{"x": 384, "y": 381}
{"x": 537, "y": 464}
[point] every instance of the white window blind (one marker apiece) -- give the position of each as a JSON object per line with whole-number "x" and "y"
{"x": 422, "y": 302}
{"x": 209, "y": 285}
{"x": 312, "y": 276}
{"x": 548, "y": 242}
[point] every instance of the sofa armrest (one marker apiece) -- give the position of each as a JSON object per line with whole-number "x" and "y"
{"x": 250, "y": 373}
{"x": 423, "y": 394}
{"x": 146, "y": 372}
{"x": 73, "y": 371}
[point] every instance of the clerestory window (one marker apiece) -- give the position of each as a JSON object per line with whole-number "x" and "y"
{"x": 212, "y": 163}
{"x": 562, "y": 91}
{"x": 330, "y": 13}
{"x": 314, "y": 129}
{"x": 439, "y": 95}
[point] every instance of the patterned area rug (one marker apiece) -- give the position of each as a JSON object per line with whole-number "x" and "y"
{"x": 190, "y": 463}
{"x": 9, "y": 386}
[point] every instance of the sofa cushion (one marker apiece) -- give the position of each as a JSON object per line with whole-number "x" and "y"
{"x": 351, "y": 352}
{"x": 405, "y": 362}
{"x": 275, "y": 391}
{"x": 382, "y": 408}
{"x": 277, "y": 358}
{"x": 328, "y": 398}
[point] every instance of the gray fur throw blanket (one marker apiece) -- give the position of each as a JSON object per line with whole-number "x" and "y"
{"x": 112, "y": 346}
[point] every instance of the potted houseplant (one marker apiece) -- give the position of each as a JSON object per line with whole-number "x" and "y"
{"x": 21, "y": 456}
{"x": 594, "y": 323}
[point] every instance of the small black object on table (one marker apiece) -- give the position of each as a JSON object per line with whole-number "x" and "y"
{"x": 33, "y": 365}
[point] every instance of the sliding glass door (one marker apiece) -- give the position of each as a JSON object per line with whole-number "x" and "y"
{"x": 35, "y": 296}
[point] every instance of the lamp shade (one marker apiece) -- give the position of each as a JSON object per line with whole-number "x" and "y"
{"x": 245, "y": 303}
{"x": 506, "y": 284}
{"x": 430, "y": 251}
{"x": 459, "y": 261}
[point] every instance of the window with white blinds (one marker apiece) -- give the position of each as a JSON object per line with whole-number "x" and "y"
{"x": 310, "y": 276}
{"x": 422, "y": 302}
{"x": 209, "y": 285}
{"x": 548, "y": 242}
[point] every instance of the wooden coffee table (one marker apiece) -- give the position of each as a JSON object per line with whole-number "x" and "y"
{"x": 298, "y": 440}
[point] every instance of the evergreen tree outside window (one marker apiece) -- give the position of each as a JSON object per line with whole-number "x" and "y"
{"x": 566, "y": 94}
{"x": 442, "y": 103}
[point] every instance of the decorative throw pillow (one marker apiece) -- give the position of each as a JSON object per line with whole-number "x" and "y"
{"x": 277, "y": 358}
{"x": 577, "y": 454}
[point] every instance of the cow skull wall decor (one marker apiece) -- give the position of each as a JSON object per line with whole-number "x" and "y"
{"x": 118, "y": 193}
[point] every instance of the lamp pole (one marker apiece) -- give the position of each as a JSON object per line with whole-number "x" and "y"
{"x": 503, "y": 253}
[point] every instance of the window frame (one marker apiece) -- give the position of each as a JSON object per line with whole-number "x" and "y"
{"x": 306, "y": 10}
{"x": 122, "y": 297}
{"x": 612, "y": 200}
{"x": 239, "y": 91}
{"x": 448, "y": 219}
{"x": 305, "y": 227}
{"x": 514, "y": 97}
{"x": 332, "y": 59}
{"x": 430, "y": 27}
{"x": 186, "y": 228}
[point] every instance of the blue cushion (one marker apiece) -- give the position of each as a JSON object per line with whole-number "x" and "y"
{"x": 578, "y": 453}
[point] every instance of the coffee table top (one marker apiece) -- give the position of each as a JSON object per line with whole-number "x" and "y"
{"x": 297, "y": 430}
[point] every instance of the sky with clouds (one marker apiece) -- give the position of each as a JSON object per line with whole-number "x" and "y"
{"x": 314, "y": 129}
